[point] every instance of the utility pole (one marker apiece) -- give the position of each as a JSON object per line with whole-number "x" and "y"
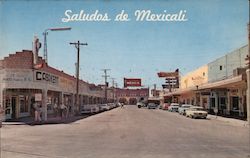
{"x": 77, "y": 46}
{"x": 106, "y": 84}
{"x": 154, "y": 93}
{"x": 113, "y": 88}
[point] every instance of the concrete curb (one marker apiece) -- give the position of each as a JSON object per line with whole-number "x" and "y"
{"x": 229, "y": 120}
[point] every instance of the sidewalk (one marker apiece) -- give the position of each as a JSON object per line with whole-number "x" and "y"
{"x": 50, "y": 120}
{"x": 229, "y": 120}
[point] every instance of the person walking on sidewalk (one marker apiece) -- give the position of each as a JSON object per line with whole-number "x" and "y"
{"x": 62, "y": 110}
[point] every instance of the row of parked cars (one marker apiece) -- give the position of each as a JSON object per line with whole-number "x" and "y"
{"x": 96, "y": 108}
{"x": 186, "y": 110}
{"x": 147, "y": 105}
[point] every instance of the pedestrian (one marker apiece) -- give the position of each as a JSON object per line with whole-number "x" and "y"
{"x": 62, "y": 110}
{"x": 40, "y": 112}
{"x": 35, "y": 107}
{"x": 55, "y": 109}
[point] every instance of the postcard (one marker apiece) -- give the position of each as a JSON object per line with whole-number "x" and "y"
{"x": 124, "y": 79}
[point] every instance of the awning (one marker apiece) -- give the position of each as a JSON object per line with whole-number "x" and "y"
{"x": 226, "y": 83}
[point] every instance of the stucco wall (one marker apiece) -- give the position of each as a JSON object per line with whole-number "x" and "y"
{"x": 223, "y": 67}
{"x": 194, "y": 78}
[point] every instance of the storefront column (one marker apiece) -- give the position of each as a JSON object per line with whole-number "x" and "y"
{"x": 1, "y": 97}
{"x": 228, "y": 104}
{"x": 248, "y": 95}
{"x": 44, "y": 103}
{"x": 61, "y": 99}
{"x": 241, "y": 109}
{"x": 73, "y": 96}
{"x": 216, "y": 103}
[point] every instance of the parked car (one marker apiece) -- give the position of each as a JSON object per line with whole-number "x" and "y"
{"x": 152, "y": 106}
{"x": 95, "y": 108}
{"x": 86, "y": 109}
{"x": 104, "y": 107}
{"x": 165, "y": 106}
{"x": 174, "y": 107}
{"x": 111, "y": 105}
{"x": 196, "y": 112}
{"x": 183, "y": 108}
{"x": 140, "y": 104}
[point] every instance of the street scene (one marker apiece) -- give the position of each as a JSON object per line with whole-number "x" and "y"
{"x": 108, "y": 79}
{"x": 124, "y": 132}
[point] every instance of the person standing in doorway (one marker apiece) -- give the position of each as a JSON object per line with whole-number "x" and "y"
{"x": 55, "y": 109}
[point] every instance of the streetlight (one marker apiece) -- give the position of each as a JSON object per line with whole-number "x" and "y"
{"x": 45, "y": 33}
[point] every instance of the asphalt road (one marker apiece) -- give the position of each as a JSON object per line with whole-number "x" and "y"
{"x": 128, "y": 133}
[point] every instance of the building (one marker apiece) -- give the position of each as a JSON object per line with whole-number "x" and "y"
{"x": 219, "y": 86}
{"x": 24, "y": 83}
{"x": 132, "y": 96}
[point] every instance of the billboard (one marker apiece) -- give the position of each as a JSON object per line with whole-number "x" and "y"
{"x": 169, "y": 74}
{"x": 132, "y": 82}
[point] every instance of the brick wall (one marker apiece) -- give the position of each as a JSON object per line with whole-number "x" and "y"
{"x": 20, "y": 60}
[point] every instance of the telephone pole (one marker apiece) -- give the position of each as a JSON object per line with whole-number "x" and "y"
{"x": 77, "y": 46}
{"x": 106, "y": 84}
{"x": 113, "y": 87}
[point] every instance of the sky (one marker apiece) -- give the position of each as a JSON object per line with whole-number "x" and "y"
{"x": 131, "y": 49}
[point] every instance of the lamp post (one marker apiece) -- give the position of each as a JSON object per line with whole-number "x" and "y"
{"x": 45, "y": 33}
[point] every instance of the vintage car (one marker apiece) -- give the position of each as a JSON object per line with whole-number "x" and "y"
{"x": 152, "y": 106}
{"x": 140, "y": 104}
{"x": 196, "y": 112}
{"x": 104, "y": 107}
{"x": 173, "y": 107}
{"x": 183, "y": 108}
{"x": 165, "y": 106}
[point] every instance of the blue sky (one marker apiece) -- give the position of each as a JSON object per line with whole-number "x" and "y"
{"x": 129, "y": 49}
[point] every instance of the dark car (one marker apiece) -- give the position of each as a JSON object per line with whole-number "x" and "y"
{"x": 152, "y": 106}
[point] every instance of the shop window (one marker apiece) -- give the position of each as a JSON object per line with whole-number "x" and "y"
{"x": 23, "y": 102}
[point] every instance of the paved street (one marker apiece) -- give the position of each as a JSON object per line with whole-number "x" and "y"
{"x": 128, "y": 132}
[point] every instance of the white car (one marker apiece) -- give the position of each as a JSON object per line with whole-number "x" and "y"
{"x": 104, "y": 107}
{"x": 140, "y": 104}
{"x": 86, "y": 109}
{"x": 196, "y": 112}
{"x": 183, "y": 108}
{"x": 174, "y": 107}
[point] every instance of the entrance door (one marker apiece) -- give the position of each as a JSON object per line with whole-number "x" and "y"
{"x": 8, "y": 108}
{"x": 13, "y": 107}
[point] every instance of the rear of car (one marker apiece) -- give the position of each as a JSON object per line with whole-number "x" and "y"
{"x": 152, "y": 106}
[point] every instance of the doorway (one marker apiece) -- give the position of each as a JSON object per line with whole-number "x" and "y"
{"x": 13, "y": 107}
